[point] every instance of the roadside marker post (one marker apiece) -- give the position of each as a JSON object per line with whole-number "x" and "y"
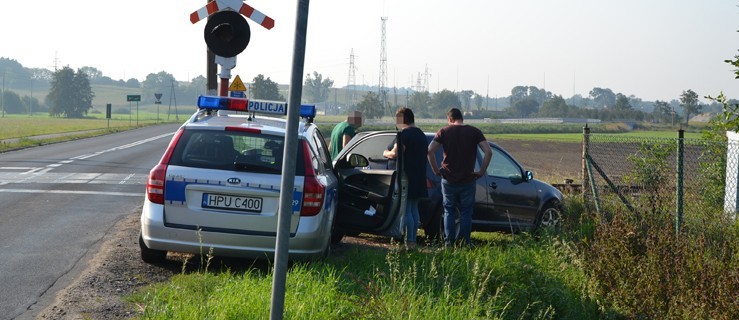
{"x": 158, "y": 101}
{"x": 282, "y": 243}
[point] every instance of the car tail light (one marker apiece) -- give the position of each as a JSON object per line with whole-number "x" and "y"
{"x": 157, "y": 175}
{"x": 155, "y": 184}
{"x": 313, "y": 190}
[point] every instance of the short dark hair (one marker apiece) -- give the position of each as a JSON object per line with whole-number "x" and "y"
{"x": 454, "y": 114}
{"x": 408, "y": 117}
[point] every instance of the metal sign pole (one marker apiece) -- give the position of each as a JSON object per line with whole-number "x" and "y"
{"x": 288, "y": 167}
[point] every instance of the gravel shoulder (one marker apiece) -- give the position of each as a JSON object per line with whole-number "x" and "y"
{"x": 114, "y": 271}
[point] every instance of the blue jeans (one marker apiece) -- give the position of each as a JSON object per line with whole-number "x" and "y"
{"x": 412, "y": 219}
{"x": 462, "y": 197}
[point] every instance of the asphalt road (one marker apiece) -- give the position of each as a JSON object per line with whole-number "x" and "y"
{"x": 56, "y": 204}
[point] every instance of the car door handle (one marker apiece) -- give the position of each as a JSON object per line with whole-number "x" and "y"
{"x": 493, "y": 185}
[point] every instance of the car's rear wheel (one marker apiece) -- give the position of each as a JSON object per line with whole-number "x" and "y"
{"x": 336, "y": 234}
{"x": 434, "y": 229}
{"x": 550, "y": 218}
{"x": 151, "y": 255}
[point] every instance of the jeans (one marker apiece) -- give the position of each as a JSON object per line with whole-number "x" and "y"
{"x": 412, "y": 219}
{"x": 462, "y": 197}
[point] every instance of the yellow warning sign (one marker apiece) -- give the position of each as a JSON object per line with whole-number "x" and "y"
{"x": 237, "y": 85}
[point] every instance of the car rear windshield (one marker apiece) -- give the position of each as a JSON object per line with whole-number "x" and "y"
{"x": 233, "y": 150}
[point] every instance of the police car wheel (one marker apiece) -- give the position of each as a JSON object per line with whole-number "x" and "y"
{"x": 151, "y": 255}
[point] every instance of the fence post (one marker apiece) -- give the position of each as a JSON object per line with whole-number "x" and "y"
{"x": 585, "y": 145}
{"x": 679, "y": 186}
{"x": 731, "y": 195}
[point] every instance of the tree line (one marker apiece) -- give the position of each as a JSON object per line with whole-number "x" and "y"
{"x": 68, "y": 93}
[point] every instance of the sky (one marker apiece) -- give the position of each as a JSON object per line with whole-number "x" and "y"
{"x": 652, "y": 49}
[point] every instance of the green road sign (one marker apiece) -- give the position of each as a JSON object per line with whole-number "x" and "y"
{"x": 133, "y": 97}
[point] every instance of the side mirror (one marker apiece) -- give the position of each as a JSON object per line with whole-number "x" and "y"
{"x": 529, "y": 175}
{"x": 358, "y": 160}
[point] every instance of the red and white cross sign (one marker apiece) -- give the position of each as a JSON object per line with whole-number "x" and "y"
{"x": 236, "y": 5}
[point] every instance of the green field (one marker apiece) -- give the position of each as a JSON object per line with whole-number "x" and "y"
{"x": 577, "y": 137}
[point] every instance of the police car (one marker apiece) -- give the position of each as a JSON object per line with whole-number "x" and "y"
{"x": 217, "y": 186}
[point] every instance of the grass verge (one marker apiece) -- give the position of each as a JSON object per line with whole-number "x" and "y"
{"x": 503, "y": 277}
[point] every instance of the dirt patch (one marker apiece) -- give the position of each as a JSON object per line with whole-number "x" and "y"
{"x": 551, "y": 162}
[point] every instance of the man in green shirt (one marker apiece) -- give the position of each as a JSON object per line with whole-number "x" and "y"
{"x": 343, "y": 132}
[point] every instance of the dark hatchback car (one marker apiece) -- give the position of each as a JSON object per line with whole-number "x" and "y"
{"x": 507, "y": 199}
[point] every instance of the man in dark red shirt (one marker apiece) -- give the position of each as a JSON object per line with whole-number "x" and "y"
{"x": 460, "y": 143}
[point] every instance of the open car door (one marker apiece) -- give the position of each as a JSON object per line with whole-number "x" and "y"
{"x": 371, "y": 189}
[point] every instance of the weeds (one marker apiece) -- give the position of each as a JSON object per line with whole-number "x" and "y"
{"x": 644, "y": 269}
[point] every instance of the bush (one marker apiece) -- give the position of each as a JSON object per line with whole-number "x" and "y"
{"x": 122, "y": 111}
{"x": 646, "y": 270}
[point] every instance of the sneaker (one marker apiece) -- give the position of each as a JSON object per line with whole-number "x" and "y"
{"x": 411, "y": 245}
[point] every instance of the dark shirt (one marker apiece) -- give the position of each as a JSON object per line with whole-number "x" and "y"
{"x": 460, "y": 144}
{"x": 415, "y": 161}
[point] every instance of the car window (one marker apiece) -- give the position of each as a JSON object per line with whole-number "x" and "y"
{"x": 501, "y": 165}
{"x": 315, "y": 159}
{"x": 232, "y": 150}
{"x": 323, "y": 154}
{"x": 372, "y": 148}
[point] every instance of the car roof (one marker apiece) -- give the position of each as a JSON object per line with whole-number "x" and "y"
{"x": 221, "y": 119}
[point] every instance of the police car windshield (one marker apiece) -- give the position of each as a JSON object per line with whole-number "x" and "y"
{"x": 233, "y": 150}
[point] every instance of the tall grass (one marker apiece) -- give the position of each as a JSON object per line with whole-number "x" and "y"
{"x": 502, "y": 278}
{"x": 645, "y": 269}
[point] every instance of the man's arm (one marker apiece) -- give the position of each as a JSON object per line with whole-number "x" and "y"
{"x": 390, "y": 154}
{"x": 486, "y": 159}
{"x": 346, "y": 140}
{"x": 433, "y": 147}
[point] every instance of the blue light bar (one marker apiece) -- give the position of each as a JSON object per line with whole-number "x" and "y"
{"x": 222, "y": 103}
{"x": 307, "y": 110}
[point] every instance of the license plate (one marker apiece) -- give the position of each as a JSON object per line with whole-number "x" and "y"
{"x": 221, "y": 201}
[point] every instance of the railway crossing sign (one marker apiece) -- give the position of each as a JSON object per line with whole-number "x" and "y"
{"x": 227, "y": 34}
{"x": 235, "y": 5}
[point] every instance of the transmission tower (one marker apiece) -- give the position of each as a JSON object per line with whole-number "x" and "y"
{"x": 172, "y": 96}
{"x": 426, "y": 76}
{"x": 383, "y": 69}
{"x": 351, "y": 83}
{"x": 418, "y": 87}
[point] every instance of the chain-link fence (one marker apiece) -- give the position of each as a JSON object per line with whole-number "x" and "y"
{"x": 676, "y": 176}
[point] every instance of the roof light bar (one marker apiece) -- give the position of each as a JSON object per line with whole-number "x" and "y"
{"x": 308, "y": 111}
{"x": 222, "y": 103}
{"x": 257, "y": 106}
